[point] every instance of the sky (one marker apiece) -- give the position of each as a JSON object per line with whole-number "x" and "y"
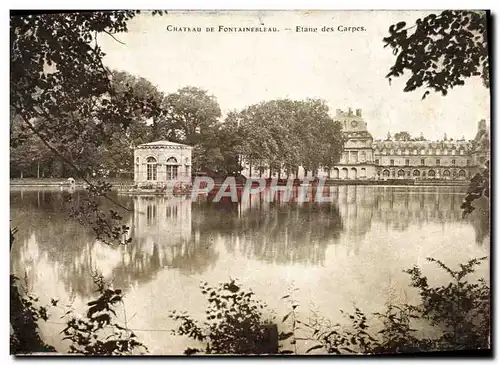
{"x": 344, "y": 68}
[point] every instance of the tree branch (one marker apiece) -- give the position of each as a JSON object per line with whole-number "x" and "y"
{"x": 112, "y": 36}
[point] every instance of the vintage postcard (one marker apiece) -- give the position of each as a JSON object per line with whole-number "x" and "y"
{"x": 250, "y": 182}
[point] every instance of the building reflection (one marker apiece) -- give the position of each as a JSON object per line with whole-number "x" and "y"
{"x": 162, "y": 236}
{"x": 190, "y": 236}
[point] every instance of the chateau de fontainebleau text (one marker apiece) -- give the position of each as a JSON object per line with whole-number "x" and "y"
{"x": 264, "y": 29}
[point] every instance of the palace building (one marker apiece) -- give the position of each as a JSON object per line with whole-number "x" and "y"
{"x": 161, "y": 163}
{"x": 364, "y": 158}
{"x": 447, "y": 159}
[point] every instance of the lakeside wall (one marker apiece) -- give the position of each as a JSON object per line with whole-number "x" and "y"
{"x": 127, "y": 184}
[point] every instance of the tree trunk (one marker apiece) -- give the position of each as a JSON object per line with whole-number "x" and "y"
{"x": 38, "y": 169}
{"x": 21, "y": 174}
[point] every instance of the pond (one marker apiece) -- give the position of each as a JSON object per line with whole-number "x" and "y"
{"x": 351, "y": 251}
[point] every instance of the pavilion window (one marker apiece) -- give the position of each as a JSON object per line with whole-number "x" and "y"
{"x": 172, "y": 169}
{"x": 152, "y": 169}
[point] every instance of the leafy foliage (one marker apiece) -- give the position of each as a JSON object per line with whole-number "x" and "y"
{"x": 479, "y": 186}
{"x": 440, "y": 51}
{"x": 107, "y": 225}
{"x": 98, "y": 333}
{"x": 459, "y": 310}
{"x": 234, "y": 323}
{"x": 24, "y": 314}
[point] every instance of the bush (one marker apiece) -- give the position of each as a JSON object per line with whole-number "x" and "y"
{"x": 98, "y": 333}
{"x": 459, "y": 310}
{"x": 234, "y": 323}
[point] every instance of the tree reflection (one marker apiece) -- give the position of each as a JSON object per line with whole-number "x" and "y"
{"x": 277, "y": 232}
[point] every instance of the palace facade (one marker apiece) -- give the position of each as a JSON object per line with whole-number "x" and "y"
{"x": 447, "y": 159}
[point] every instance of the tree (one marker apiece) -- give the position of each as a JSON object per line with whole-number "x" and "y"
{"x": 440, "y": 51}
{"x": 402, "y": 136}
{"x": 284, "y": 134}
{"x": 116, "y": 153}
{"x": 62, "y": 92}
{"x": 188, "y": 114}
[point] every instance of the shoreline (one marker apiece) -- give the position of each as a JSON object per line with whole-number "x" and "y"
{"x": 120, "y": 186}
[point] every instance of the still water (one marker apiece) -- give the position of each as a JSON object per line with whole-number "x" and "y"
{"x": 349, "y": 252}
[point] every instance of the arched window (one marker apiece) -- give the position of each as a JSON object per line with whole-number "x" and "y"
{"x": 386, "y": 173}
{"x": 416, "y": 172}
{"x": 172, "y": 168}
{"x": 461, "y": 173}
{"x": 431, "y": 173}
{"x": 446, "y": 173}
{"x": 401, "y": 173}
{"x": 152, "y": 168}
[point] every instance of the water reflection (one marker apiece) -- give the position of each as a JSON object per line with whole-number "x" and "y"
{"x": 190, "y": 237}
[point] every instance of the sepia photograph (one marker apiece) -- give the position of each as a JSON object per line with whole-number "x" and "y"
{"x": 250, "y": 183}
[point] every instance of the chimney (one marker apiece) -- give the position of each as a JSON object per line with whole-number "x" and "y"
{"x": 350, "y": 112}
{"x": 358, "y": 112}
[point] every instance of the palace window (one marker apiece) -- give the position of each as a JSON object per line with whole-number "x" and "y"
{"x": 468, "y": 162}
{"x": 422, "y": 161}
{"x": 453, "y": 152}
{"x": 438, "y": 161}
{"x": 407, "y": 162}
{"x": 377, "y": 161}
{"x": 422, "y": 151}
{"x": 152, "y": 168}
{"x": 392, "y": 162}
{"x": 416, "y": 173}
{"x": 453, "y": 162}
